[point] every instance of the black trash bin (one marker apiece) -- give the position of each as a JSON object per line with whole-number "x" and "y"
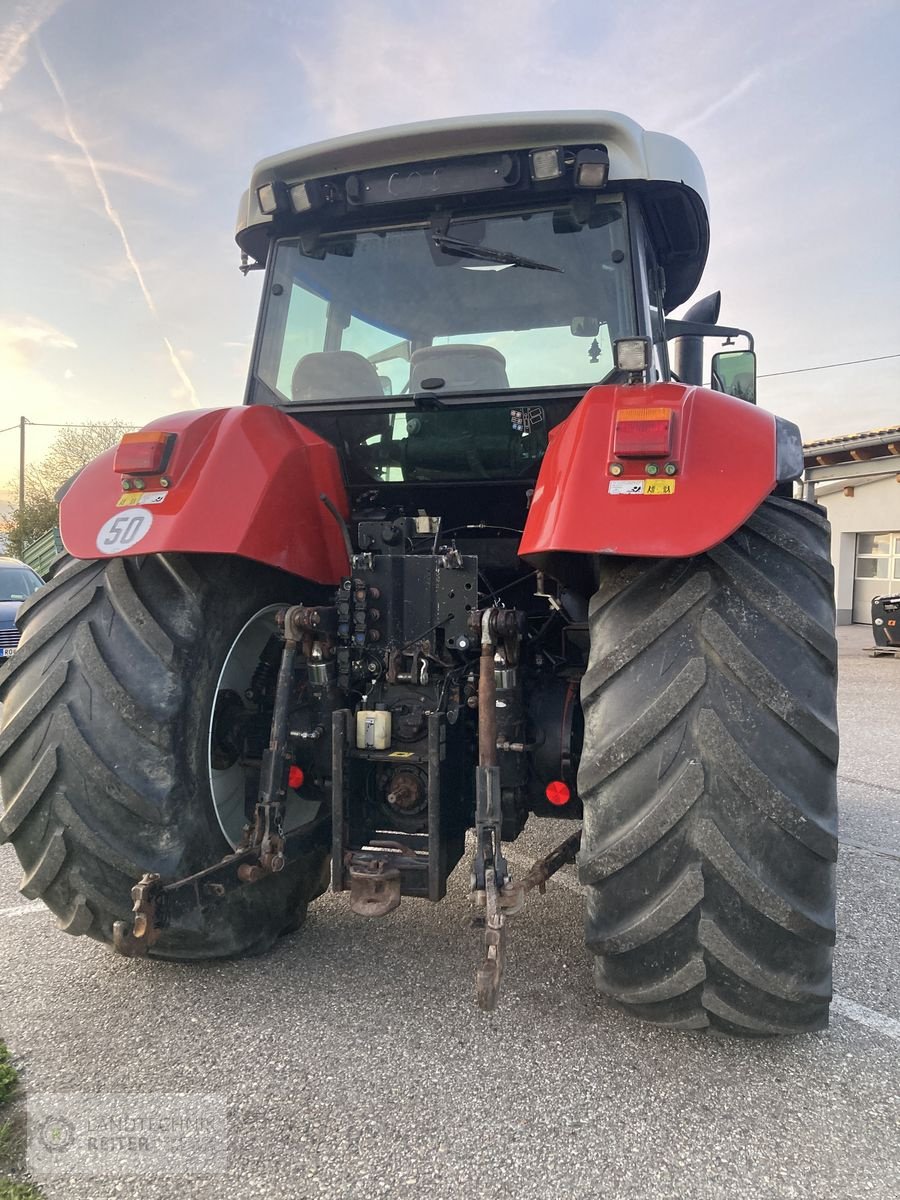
{"x": 886, "y": 621}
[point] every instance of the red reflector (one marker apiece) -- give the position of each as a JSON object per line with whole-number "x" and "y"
{"x": 643, "y": 432}
{"x": 295, "y": 778}
{"x": 558, "y": 793}
{"x": 143, "y": 453}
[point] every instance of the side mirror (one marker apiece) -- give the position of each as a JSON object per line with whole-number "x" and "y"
{"x": 734, "y": 372}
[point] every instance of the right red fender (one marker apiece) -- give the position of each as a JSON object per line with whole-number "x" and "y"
{"x": 725, "y": 456}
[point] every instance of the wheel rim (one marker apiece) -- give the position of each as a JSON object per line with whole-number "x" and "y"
{"x": 227, "y": 784}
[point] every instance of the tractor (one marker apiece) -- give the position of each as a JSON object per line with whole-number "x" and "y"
{"x": 478, "y": 547}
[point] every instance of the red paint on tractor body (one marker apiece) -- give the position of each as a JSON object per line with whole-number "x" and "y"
{"x": 724, "y": 452}
{"x": 244, "y": 481}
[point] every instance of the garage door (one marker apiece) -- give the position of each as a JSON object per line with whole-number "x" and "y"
{"x": 877, "y": 571}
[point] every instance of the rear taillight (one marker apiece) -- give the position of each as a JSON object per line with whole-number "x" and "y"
{"x": 143, "y": 453}
{"x": 558, "y": 793}
{"x": 643, "y": 433}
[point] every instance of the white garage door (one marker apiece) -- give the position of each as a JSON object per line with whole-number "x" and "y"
{"x": 877, "y": 571}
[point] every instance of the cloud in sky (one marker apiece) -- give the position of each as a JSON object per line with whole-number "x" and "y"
{"x": 425, "y": 62}
{"x": 812, "y": 39}
{"x": 27, "y": 18}
{"x": 116, "y": 220}
{"x": 35, "y": 373}
{"x": 68, "y": 163}
{"x": 22, "y": 338}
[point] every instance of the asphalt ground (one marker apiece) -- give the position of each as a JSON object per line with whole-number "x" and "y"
{"x": 352, "y": 1061}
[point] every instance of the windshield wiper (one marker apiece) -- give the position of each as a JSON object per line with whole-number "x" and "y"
{"x": 460, "y": 249}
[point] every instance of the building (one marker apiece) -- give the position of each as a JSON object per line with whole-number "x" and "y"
{"x": 857, "y": 479}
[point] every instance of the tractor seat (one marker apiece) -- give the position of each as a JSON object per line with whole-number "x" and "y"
{"x": 463, "y": 368}
{"x": 480, "y": 444}
{"x": 339, "y": 375}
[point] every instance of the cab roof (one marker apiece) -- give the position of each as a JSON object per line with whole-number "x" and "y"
{"x": 662, "y": 168}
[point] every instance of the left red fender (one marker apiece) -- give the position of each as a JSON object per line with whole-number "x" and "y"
{"x": 245, "y": 481}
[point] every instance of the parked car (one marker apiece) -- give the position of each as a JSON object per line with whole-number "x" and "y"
{"x": 17, "y": 582}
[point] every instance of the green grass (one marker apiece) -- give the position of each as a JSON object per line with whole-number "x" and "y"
{"x": 19, "y": 1191}
{"x": 8, "y": 1076}
{"x": 11, "y": 1135}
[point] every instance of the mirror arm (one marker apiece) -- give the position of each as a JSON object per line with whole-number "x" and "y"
{"x": 676, "y": 329}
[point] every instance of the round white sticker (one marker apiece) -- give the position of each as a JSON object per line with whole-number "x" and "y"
{"x": 124, "y": 530}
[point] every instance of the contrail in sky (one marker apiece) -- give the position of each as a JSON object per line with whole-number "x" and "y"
{"x": 117, "y": 222}
{"x": 743, "y": 85}
{"x": 26, "y": 21}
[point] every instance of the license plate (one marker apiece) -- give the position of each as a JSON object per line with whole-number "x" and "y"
{"x": 7, "y": 651}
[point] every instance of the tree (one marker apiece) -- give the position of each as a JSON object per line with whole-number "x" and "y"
{"x": 28, "y": 523}
{"x": 73, "y": 447}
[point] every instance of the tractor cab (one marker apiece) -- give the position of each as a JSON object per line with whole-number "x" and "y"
{"x": 439, "y": 296}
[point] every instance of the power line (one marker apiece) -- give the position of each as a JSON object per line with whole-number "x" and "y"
{"x": 24, "y": 424}
{"x": 58, "y": 425}
{"x": 828, "y": 366}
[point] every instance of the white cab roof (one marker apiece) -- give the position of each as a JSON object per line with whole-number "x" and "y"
{"x": 635, "y": 154}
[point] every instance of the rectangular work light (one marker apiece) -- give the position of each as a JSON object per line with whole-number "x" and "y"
{"x": 272, "y": 197}
{"x": 592, "y": 168}
{"x": 546, "y": 164}
{"x": 306, "y": 196}
{"x": 631, "y": 354}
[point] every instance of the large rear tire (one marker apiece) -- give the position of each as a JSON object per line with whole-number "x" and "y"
{"x": 105, "y": 763}
{"x": 708, "y": 780}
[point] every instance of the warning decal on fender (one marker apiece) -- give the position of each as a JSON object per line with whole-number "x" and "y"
{"x": 641, "y": 487}
{"x": 123, "y": 531}
{"x": 130, "y": 499}
{"x": 659, "y": 487}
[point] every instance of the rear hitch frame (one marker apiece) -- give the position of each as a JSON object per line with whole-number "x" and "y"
{"x": 373, "y": 873}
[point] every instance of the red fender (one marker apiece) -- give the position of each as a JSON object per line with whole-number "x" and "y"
{"x": 243, "y": 481}
{"x": 727, "y": 455}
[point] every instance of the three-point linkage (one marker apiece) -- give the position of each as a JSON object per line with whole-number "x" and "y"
{"x": 495, "y": 895}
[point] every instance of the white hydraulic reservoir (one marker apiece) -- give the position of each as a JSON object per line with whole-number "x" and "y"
{"x": 373, "y": 729}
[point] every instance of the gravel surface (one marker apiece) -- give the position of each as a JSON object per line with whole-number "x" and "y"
{"x": 352, "y": 1062}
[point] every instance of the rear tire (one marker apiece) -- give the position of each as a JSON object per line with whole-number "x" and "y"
{"x": 708, "y": 780}
{"x": 104, "y": 750}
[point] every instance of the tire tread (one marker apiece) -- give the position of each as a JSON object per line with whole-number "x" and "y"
{"x": 97, "y": 767}
{"x": 708, "y": 780}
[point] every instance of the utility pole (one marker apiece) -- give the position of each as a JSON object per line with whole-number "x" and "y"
{"x": 22, "y": 423}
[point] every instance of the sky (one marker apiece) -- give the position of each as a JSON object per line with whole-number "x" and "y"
{"x": 128, "y": 133}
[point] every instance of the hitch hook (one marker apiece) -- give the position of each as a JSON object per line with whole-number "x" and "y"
{"x": 145, "y": 928}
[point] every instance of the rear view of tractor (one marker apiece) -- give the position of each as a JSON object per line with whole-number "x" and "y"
{"x": 478, "y": 547}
